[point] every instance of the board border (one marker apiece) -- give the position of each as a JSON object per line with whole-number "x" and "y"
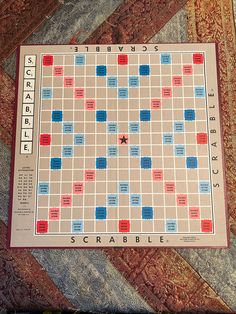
{"x": 12, "y": 167}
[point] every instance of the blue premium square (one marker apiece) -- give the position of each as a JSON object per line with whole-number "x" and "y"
{"x": 171, "y": 226}
{"x": 101, "y": 115}
{"x": 145, "y": 115}
{"x": 199, "y": 92}
{"x": 101, "y": 70}
{"x": 67, "y": 151}
{"x": 178, "y": 126}
{"x": 101, "y": 213}
{"x": 112, "y": 81}
{"x": 77, "y": 226}
{"x": 146, "y": 162}
{"x": 112, "y": 200}
{"x": 43, "y": 188}
{"x": 57, "y": 116}
{"x": 179, "y": 150}
{"x": 191, "y": 162}
{"x": 134, "y": 127}
{"x": 189, "y": 114}
{"x": 133, "y": 81}
{"x": 147, "y": 212}
{"x": 123, "y": 92}
{"x": 165, "y": 58}
{"x": 124, "y": 187}
{"x": 68, "y": 127}
{"x": 167, "y": 139}
{"x": 112, "y": 151}
{"x": 80, "y": 60}
{"x": 134, "y": 151}
{"x": 144, "y": 69}
{"x": 112, "y": 127}
{"x": 135, "y": 200}
{"x": 46, "y": 93}
{"x": 204, "y": 187}
{"x": 55, "y": 163}
{"x": 79, "y": 139}
{"x": 101, "y": 162}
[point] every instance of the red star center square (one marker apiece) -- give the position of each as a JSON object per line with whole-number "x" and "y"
{"x": 122, "y": 59}
{"x": 123, "y": 139}
{"x": 198, "y": 58}
{"x": 47, "y": 60}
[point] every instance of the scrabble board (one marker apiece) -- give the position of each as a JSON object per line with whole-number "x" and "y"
{"x": 118, "y": 145}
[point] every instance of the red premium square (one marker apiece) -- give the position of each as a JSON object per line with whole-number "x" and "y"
{"x": 66, "y": 200}
{"x": 182, "y": 200}
{"x": 166, "y": 92}
{"x": 197, "y": 58}
{"x": 187, "y": 69}
{"x": 202, "y": 138}
{"x": 169, "y": 187}
{"x": 47, "y": 60}
{"x": 206, "y": 225}
{"x": 79, "y": 93}
{"x": 42, "y": 226}
{"x": 122, "y": 59}
{"x": 157, "y": 175}
{"x": 89, "y": 175}
{"x": 45, "y": 139}
{"x": 54, "y": 213}
{"x": 78, "y": 188}
{"x": 68, "y": 82}
{"x": 177, "y": 80}
{"x": 194, "y": 212}
{"x": 155, "y": 104}
{"x": 124, "y": 226}
{"x": 58, "y": 71}
{"x": 90, "y": 104}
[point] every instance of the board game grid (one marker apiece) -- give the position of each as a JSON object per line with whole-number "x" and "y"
{"x": 124, "y": 89}
{"x": 123, "y": 143}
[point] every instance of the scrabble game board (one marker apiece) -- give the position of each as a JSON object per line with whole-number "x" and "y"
{"x": 118, "y": 145}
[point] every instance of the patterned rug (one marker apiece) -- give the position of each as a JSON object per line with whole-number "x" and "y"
{"x": 118, "y": 280}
